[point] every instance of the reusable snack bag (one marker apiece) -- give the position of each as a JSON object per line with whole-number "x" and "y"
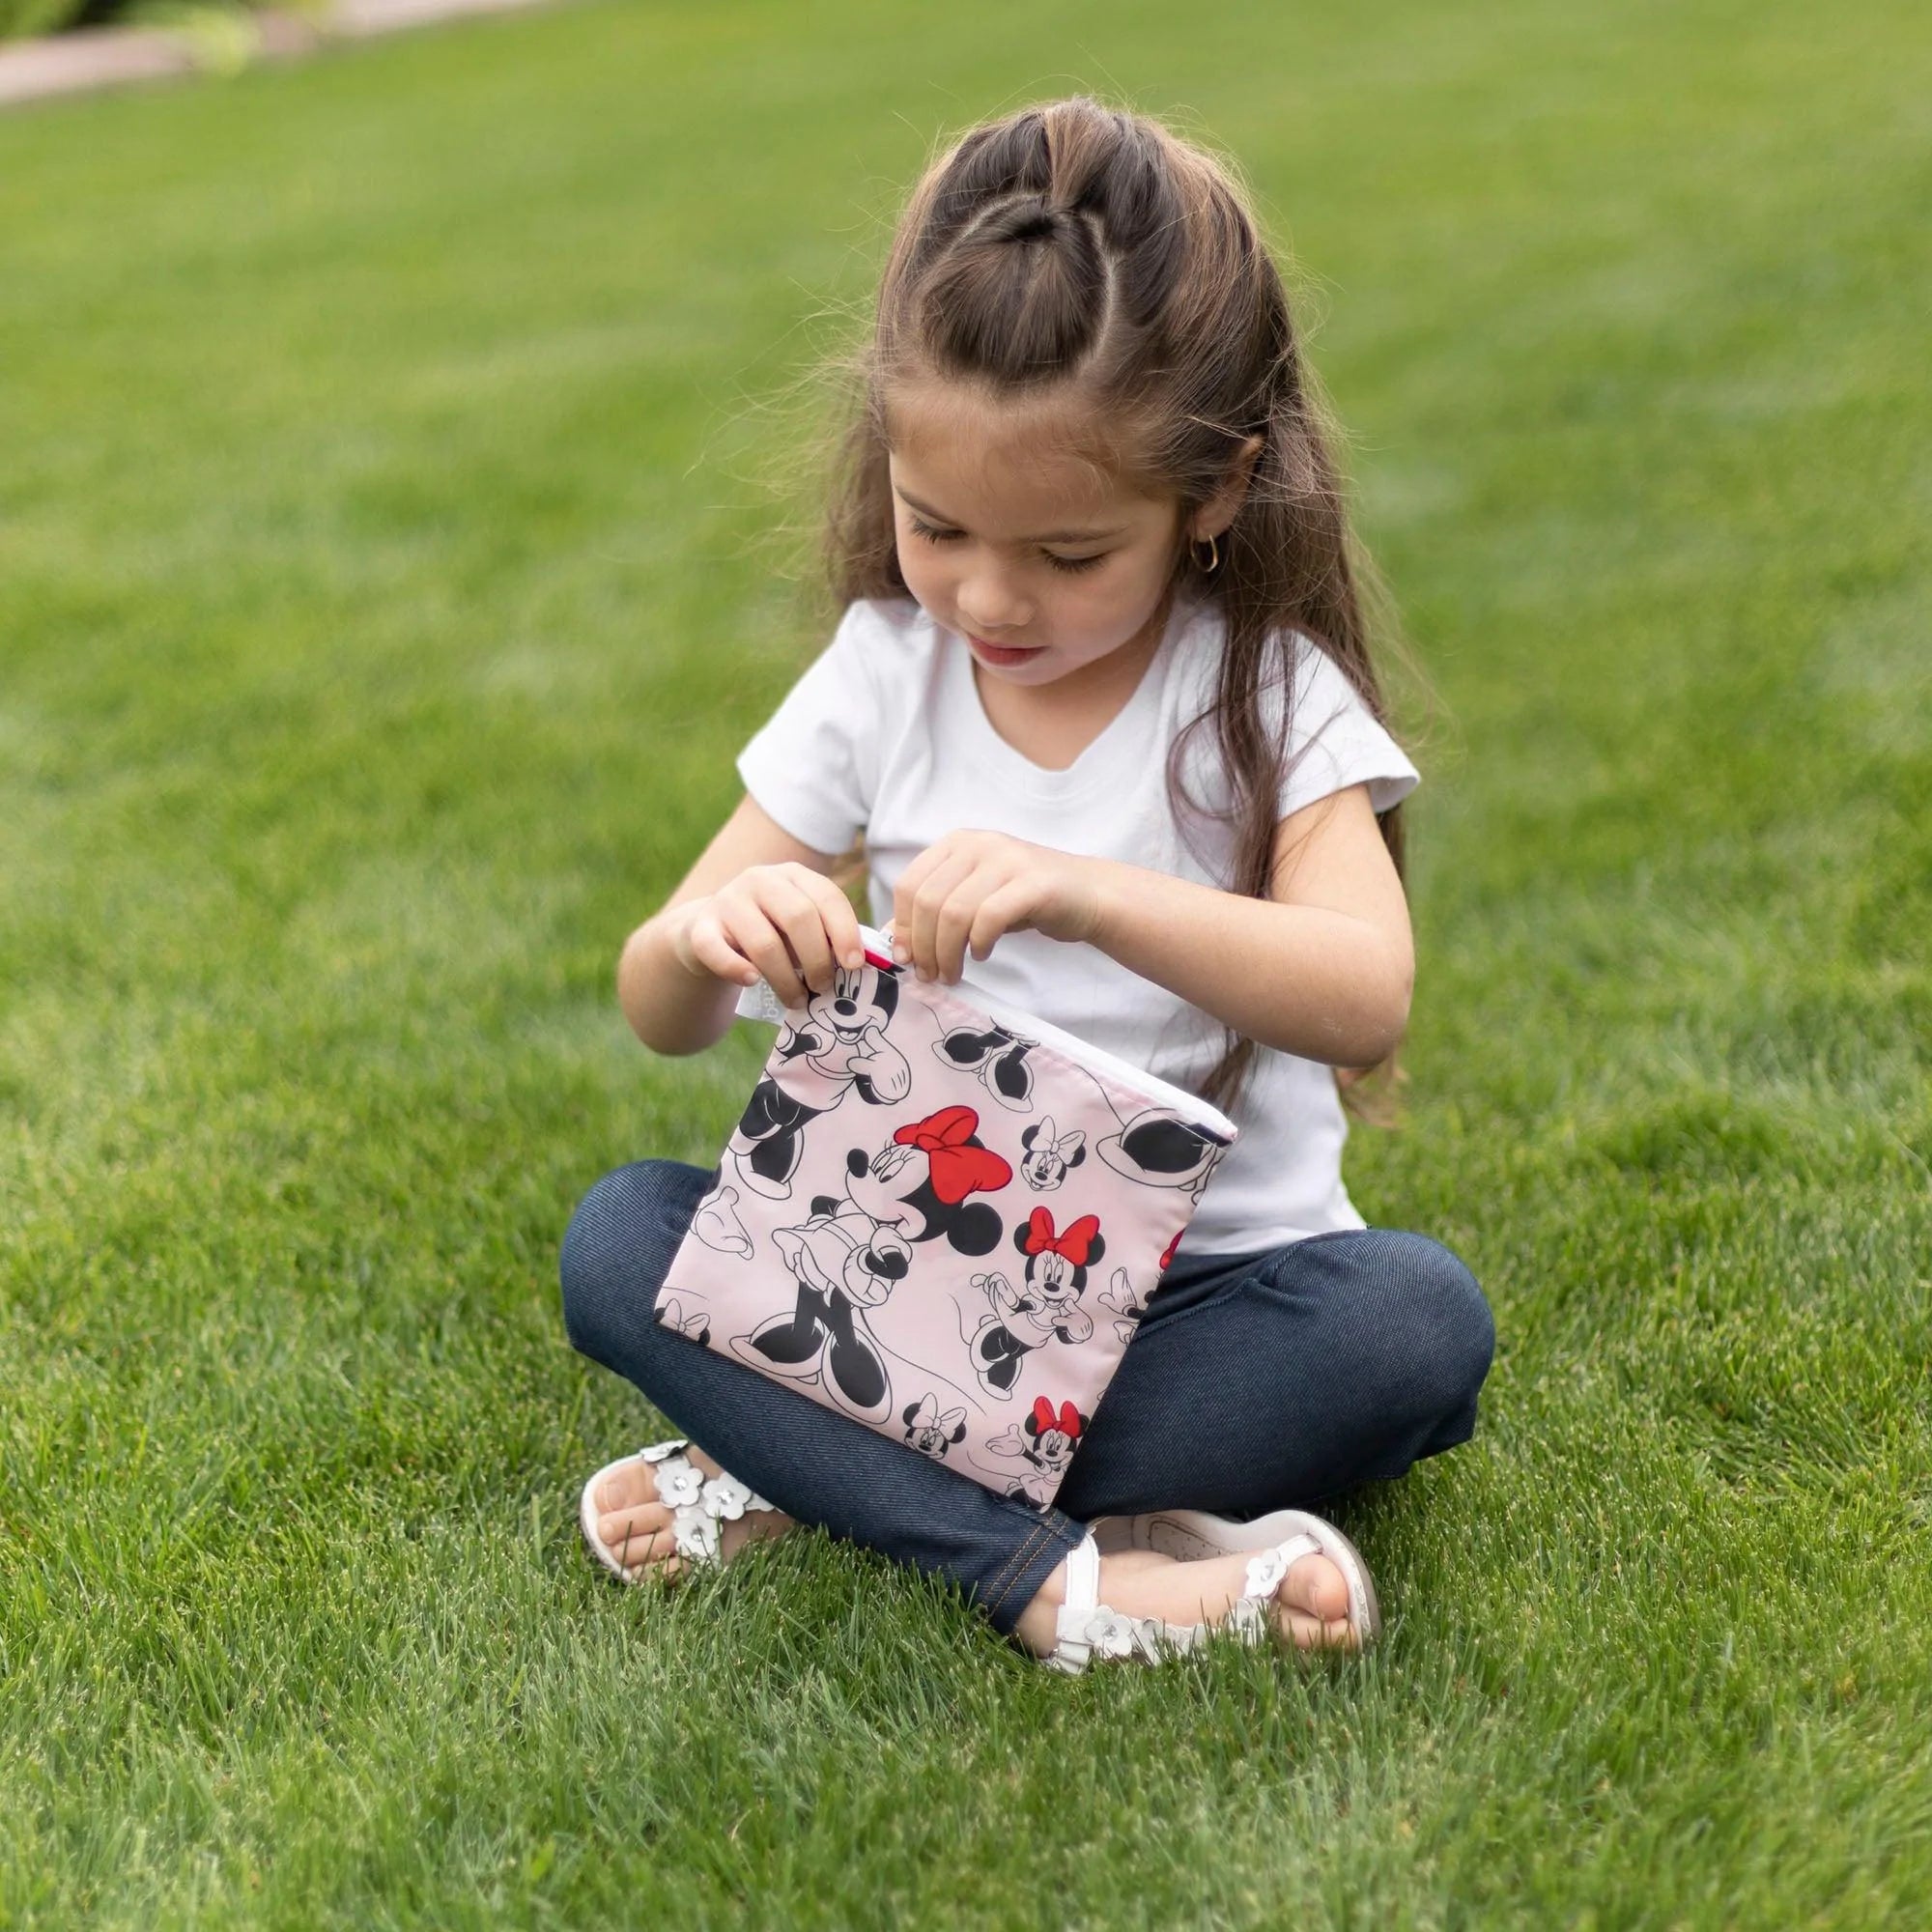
{"x": 942, "y": 1217}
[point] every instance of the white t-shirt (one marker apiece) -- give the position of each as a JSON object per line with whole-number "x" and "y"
{"x": 886, "y": 734}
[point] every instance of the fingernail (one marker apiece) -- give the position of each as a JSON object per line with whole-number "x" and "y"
{"x": 856, "y": 957}
{"x": 902, "y": 951}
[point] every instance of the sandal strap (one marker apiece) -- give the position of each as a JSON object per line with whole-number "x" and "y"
{"x": 699, "y": 1505}
{"x": 1084, "y": 1626}
{"x": 1267, "y": 1567}
{"x": 1073, "y": 1622}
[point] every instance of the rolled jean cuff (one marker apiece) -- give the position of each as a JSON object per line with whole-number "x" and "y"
{"x": 1018, "y": 1581}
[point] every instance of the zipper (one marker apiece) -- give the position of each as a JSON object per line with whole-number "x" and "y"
{"x": 1030, "y": 1026}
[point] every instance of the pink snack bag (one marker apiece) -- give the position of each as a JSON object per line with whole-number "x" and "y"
{"x": 942, "y": 1217}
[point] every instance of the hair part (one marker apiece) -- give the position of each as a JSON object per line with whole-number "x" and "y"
{"x": 1073, "y": 251}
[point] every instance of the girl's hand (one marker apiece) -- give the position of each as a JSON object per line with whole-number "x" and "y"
{"x": 965, "y": 889}
{"x": 784, "y": 921}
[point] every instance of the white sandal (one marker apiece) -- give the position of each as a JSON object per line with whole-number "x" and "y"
{"x": 697, "y": 1505}
{"x": 1086, "y": 1628}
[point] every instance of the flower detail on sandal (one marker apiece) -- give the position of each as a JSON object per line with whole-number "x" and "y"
{"x": 730, "y": 1498}
{"x": 1267, "y": 1569}
{"x": 697, "y": 1506}
{"x": 1114, "y": 1633}
{"x": 695, "y": 1531}
{"x": 1086, "y": 1628}
{"x": 680, "y": 1483}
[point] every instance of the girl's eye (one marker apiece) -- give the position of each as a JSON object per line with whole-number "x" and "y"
{"x": 929, "y": 532}
{"x": 1073, "y": 563}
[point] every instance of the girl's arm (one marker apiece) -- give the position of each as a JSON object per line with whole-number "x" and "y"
{"x": 1322, "y": 969}
{"x": 672, "y": 1008}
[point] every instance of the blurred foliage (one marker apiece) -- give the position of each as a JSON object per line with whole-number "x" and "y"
{"x": 221, "y": 34}
{"x": 18, "y": 19}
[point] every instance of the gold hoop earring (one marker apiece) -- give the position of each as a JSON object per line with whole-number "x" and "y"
{"x": 1213, "y": 563}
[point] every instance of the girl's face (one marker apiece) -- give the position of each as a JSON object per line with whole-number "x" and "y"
{"x": 1042, "y": 561}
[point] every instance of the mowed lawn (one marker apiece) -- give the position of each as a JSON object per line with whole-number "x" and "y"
{"x": 386, "y": 447}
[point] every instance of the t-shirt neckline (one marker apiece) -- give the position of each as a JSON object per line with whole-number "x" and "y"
{"x": 1097, "y": 763}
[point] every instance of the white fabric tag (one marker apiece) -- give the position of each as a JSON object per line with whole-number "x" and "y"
{"x": 758, "y": 1002}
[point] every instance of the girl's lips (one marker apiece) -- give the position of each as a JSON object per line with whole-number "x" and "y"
{"x": 1003, "y": 654}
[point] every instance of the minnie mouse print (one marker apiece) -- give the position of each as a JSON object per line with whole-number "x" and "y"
{"x": 1044, "y": 1441}
{"x": 854, "y": 1266}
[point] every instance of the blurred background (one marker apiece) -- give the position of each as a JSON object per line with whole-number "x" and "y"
{"x": 406, "y": 488}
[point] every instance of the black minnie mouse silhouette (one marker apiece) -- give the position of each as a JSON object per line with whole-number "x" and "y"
{"x": 842, "y": 1265}
{"x": 851, "y": 1253}
{"x": 997, "y": 1056}
{"x": 841, "y": 1038}
{"x": 921, "y": 1180}
{"x": 1023, "y": 1320}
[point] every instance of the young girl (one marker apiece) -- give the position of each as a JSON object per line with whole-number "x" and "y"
{"x": 1101, "y": 705}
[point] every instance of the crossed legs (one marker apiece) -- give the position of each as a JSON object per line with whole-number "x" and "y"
{"x": 1254, "y": 1383}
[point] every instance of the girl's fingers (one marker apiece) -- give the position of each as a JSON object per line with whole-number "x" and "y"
{"x": 839, "y": 921}
{"x": 1001, "y": 911}
{"x": 905, "y": 896}
{"x": 715, "y": 953}
{"x": 957, "y": 918}
{"x": 761, "y": 943}
{"x": 800, "y": 921}
{"x": 921, "y": 933}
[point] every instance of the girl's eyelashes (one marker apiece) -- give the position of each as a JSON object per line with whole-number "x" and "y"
{"x": 931, "y": 533}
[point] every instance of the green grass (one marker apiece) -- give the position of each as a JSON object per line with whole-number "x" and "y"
{"x": 377, "y": 453}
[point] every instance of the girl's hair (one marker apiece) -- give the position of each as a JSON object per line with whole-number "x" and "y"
{"x": 1072, "y": 251}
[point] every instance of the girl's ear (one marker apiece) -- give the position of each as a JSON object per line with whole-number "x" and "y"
{"x": 1214, "y": 516}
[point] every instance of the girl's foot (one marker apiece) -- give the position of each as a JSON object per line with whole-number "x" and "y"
{"x": 1311, "y": 1607}
{"x": 635, "y": 1527}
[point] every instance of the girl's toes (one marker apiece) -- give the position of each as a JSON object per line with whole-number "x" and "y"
{"x": 1314, "y": 1603}
{"x": 1307, "y": 1633}
{"x": 1316, "y": 1586}
{"x": 631, "y": 1526}
{"x": 627, "y": 1486}
{"x": 1318, "y": 1633}
{"x": 650, "y": 1550}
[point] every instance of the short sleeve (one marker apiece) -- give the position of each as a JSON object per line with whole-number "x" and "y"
{"x": 1335, "y": 741}
{"x": 814, "y": 765}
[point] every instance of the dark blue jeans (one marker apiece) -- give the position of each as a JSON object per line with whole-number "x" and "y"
{"x": 1255, "y": 1382}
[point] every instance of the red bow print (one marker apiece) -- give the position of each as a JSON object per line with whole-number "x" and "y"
{"x": 1067, "y": 1421}
{"x": 1073, "y": 1243}
{"x": 957, "y": 1169}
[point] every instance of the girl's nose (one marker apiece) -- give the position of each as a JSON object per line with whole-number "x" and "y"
{"x": 989, "y": 605}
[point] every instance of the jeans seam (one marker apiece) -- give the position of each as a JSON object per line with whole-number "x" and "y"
{"x": 1005, "y": 1575}
{"x": 1016, "y": 1568}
